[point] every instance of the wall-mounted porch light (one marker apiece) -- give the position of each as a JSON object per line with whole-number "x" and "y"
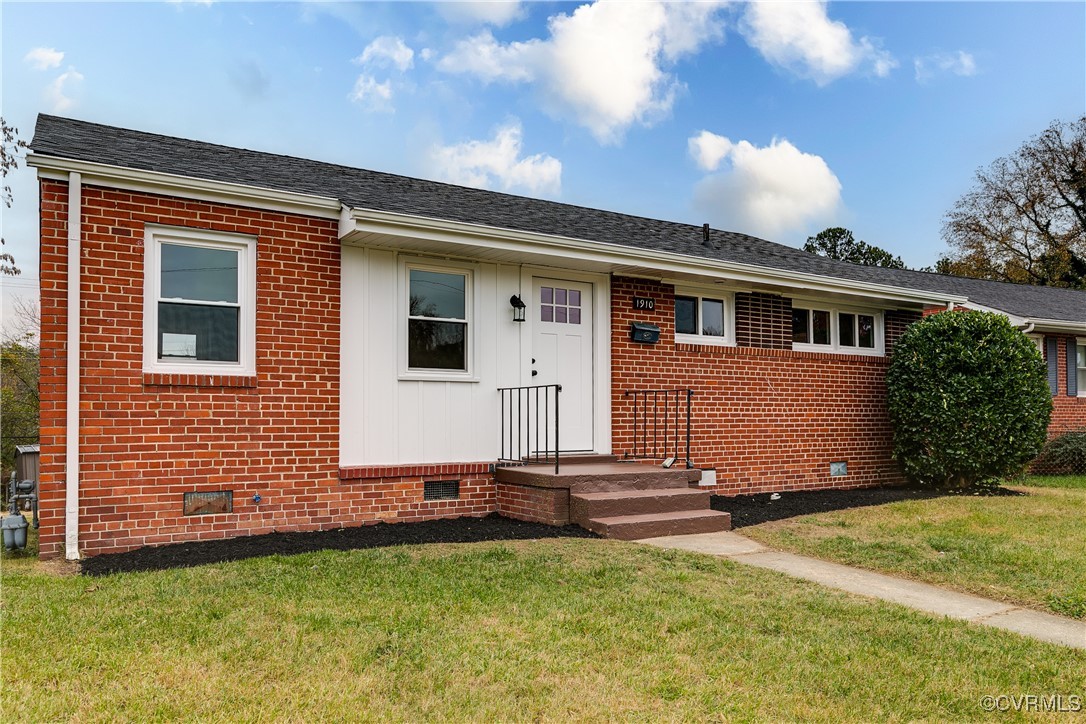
{"x": 518, "y": 306}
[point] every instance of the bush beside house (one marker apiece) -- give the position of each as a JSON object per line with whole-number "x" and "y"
{"x": 968, "y": 398}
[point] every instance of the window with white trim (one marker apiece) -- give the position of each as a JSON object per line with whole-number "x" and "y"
{"x": 702, "y": 318}
{"x": 836, "y": 330}
{"x": 1081, "y": 365}
{"x": 438, "y": 315}
{"x": 199, "y": 302}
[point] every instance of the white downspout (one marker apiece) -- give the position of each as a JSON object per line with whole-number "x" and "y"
{"x": 71, "y": 427}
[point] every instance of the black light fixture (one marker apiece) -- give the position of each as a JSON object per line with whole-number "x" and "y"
{"x": 518, "y": 306}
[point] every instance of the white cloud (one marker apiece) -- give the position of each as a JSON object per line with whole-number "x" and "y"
{"x": 800, "y": 37}
{"x": 489, "y": 12}
{"x": 483, "y": 56}
{"x": 498, "y": 163}
{"x": 768, "y": 191}
{"x": 709, "y": 149}
{"x": 387, "y": 51}
{"x": 959, "y": 63}
{"x": 44, "y": 58}
{"x": 374, "y": 96}
{"x": 58, "y": 94}
{"x": 603, "y": 65}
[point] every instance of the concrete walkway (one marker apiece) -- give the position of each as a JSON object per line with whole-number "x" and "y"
{"x": 921, "y": 596}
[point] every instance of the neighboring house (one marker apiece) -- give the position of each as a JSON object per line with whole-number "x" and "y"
{"x": 325, "y": 345}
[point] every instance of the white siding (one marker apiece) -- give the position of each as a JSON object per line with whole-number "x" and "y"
{"x": 388, "y": 420}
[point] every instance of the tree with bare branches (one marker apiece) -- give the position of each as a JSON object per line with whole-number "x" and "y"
{"x": 1025, "y": 220}
{"x": 10, "y": 147}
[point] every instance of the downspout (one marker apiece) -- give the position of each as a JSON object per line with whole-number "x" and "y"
{"x": 1028, "y": 328}
{"x": 71, "y": 427}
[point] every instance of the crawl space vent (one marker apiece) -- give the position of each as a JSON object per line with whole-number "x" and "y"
{"x": 209, "y": 503}
{"x": 441, "y": 490}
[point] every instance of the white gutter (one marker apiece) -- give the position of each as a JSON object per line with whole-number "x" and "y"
{"x": 71, "y": 427}
{"x": 371, "y": 221}
{"x": 1059, "y": 325}
{"x": 155, "y": 182}
{"x": 362, "y": 220}
{"x": 1032, "y": 323}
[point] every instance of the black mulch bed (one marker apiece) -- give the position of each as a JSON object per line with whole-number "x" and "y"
{"x": 457, "y": 530}
{"x": 761, "y": 508}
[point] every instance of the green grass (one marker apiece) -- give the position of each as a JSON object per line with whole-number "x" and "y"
{"x": 1076, "y": 482}
{"x": 548, "y": 630}
{"x": 1028, "y": 550}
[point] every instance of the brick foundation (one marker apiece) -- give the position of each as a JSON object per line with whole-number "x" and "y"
{"x": 536, "y": 505}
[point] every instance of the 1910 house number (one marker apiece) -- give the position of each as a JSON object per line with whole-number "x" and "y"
{"x": 644, "y": 303}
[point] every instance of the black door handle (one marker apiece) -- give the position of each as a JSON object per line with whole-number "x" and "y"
{"x": 534, "y": 373}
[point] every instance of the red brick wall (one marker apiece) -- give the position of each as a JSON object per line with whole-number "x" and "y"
{"x": 538, "y": 505}
{"x": 145, "y": 440}
{"x": 766, "y": 419}
{"x": 1068, "y": 413}
{"x": 897, "y": 321}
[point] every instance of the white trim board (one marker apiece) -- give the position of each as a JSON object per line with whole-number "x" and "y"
{"x": 166, "y": 184}
{"x": 357, "y": 224}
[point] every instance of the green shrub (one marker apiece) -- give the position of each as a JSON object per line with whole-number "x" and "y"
{"x": 968, "y": 398}
{"x": 1063, "y": 455}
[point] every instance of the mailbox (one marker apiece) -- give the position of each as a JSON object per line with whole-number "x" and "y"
{"x": 644, "y": 333}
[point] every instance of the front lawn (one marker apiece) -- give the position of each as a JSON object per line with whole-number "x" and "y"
{"x": 1029, "y": 550}
{"x": 525, "y": 630}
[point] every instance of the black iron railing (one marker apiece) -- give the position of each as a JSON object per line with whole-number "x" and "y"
{"x": 529, "y": 424}
{"x": 661, "y": 424}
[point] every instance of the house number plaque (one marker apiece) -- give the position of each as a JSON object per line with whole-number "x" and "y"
{"x": 647, "y": 304}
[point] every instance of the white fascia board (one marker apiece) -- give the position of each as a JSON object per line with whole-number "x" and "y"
{"x": 1039, "y": 325}
{"x": 370, "y": 221}
{"x": 1059, "y": 325}
{"x": 154, "y": 182}
{"x": 1014, "y": 319}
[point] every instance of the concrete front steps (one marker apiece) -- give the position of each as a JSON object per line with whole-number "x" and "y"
{"x": 626, "y": 501}
{"x": 656, "y": 525}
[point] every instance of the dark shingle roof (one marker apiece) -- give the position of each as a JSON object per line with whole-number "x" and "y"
{"x": 360, "y": 188}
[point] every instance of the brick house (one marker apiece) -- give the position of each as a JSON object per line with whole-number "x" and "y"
{"x": 236, "y": 342}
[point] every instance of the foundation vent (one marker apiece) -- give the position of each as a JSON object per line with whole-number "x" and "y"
{"x": 441, "y": 490}
{"x": 221, "y": 501}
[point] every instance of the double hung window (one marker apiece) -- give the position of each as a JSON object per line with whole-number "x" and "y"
{"x": 1080, "y": 359}
{"x": 437, "y": 315}
{"x": 200, "y": 302}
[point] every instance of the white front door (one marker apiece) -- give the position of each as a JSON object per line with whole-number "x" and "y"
{"x": 562, "y": 348}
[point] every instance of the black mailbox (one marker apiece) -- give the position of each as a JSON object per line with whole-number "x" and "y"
{"x": 644, "y": 333}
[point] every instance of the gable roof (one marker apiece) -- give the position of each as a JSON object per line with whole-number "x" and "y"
{"x": 363, "y": 189}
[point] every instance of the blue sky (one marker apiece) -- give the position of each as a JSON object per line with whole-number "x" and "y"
{"x": 776, "y": 119}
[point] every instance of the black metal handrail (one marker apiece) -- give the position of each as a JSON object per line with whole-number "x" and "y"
{"x": 527, "y": 433}
{"x": 661, "y": 424}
